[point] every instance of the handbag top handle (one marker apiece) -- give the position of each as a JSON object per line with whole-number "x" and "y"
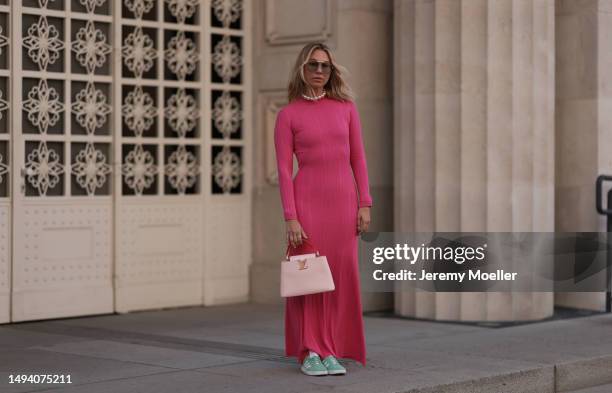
{"x": 304, "y": 241}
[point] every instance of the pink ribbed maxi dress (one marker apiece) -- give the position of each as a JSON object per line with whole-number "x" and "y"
{"x": 324, "y": 196}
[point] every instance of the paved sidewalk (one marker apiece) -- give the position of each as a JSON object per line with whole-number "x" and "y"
{"x": 239, "y": 348}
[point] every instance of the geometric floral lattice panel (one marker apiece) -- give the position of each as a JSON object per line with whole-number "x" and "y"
{"x": 226, "y": 59}
{"x": 139, "y": 9}
{"x": 226, "y": 169}
{"x": 181, "y": 112}
{"x": 44, "y": 168}
{"x": 182, "y": 11}
{"x": 226, "y": 119}
{"x": 91, "y": 108}
{"x": 91, "y": 47}
{"x": 91, "y": 169}
{"x": 139, "y": 169}
{"x": 98, "y": 7}
{"x": 43, "y": 43}
{"x": 139, "y": 52}
{"x": 4, "y": 104}
{"x": 182, "y": 169}
{"x": 4, "y": 40}
{"x": 160, "y": 96}
{"x": 226, "y": 13}
{"x": 226, "y": 98}
{"x": 139, "y": 111}
{"x": 4, "y": 168}
{"x": 5, "y": 94}
{"x": 181, "y": 55}
{"x": 43, "y": 106}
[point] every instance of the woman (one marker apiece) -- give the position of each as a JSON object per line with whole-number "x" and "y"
{"x": 321, "y": 126}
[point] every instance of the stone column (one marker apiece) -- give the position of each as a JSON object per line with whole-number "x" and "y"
{"x": 583, "y": 122}
{"x": 474, "y": 134}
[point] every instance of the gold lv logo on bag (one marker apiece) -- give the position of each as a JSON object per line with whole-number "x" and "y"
{"x": 302, "y": 264}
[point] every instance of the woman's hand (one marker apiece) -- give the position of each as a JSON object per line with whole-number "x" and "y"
{"x": 363, "y": 219}
{"x": 295, "y": 233}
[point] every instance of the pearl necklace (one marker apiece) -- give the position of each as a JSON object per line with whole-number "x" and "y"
{"x": 315, "y": 98}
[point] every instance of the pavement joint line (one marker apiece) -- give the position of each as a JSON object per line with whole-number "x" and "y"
{"x": 147, "y": 364}
{"x": 106, "y": 358}
{"x": 560, "y": 314}
{"x": 469, "y": 355}
{"x": 194, "y": 345}
{"x": 221, "y": 365}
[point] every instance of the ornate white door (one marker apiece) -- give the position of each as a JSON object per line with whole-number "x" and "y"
{"x": 62, "y": 144}
{"x": 229, "y": 139}
{"x": 159, "y": 134}
{"x": 5, "y": 164}
{"x": 129, "y": 184}
{"x": 182, "y": 206}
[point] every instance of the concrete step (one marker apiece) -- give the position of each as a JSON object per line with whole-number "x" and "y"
{"x": 607, "y": 388}
{"x": 592, "y": 375}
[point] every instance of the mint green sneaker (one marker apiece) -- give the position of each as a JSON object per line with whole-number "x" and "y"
{"x": 333, "y": 366}
{"x": 312, "y": 365}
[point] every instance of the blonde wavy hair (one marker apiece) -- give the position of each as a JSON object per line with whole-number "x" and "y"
{"x": 336, "y": 87}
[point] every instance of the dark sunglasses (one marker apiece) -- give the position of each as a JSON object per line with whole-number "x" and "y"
{"x": 313, "y": 66}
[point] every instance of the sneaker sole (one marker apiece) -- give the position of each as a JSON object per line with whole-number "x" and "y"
{"x": 314, "y": 373}
{"x": 337, "y": 372}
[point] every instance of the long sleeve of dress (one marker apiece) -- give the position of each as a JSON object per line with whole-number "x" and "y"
{"x": 283, "y": 144}
{"x": 358, "y": 158}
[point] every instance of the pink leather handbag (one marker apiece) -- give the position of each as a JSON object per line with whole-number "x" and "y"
{"x": 305, "y": 274}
